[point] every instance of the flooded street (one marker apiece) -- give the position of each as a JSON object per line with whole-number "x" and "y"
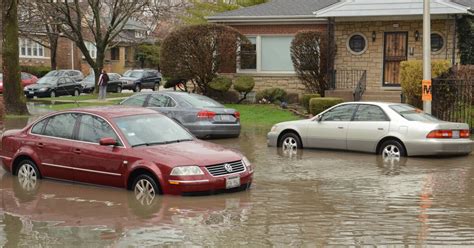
{"x": 314, "y": 198}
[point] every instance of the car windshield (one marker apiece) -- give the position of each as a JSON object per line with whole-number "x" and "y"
{"x": 47, "y": 80}
{"x": 152, "y": 129}
{"x": 412, "y": 114}
{"x": 199, "y": 101}
{"x": 133, "y": 74}
{"x": 54, "y": 73}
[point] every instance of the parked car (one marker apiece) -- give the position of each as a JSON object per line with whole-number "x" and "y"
{"x": 73, "y": 74}
{"x": 390, "y": 129}
{"x": 26, "y": 79}
{"x": 137, "y": 80}
{"x": 201, "y": 115}
{"x": 114, "y": 85}
{"x": 52, "y": 87}
{"x": 122, "y": 147}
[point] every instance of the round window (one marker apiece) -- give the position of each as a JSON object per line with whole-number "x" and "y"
{"x": 437, "y": 42}
{"x": 357, "y": 44}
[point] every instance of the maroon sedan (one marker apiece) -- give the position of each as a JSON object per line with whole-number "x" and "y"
{"x": 133, "y": 148}
{"x": 26, "y": 79}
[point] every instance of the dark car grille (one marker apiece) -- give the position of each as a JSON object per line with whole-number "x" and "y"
{"x": 220, "y": 169}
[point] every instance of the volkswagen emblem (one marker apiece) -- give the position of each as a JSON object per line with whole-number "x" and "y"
{"x": 228, "y": 168}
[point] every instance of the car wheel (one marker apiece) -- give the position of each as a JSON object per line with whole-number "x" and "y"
{"x": 392, "y": 149}
{"x": 290, "y": 142}
{"x": 138, "y": 88}
{"x": 145, "y": 189}
{"x": 28, "y": 175}
{"x": 76, "y": 92}
{"x": 52, "y": 94}
{"x": 119, "y": 89}
{"x": 156, "y": 87}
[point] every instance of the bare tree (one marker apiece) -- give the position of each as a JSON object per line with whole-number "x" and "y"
{"x": 14, "y": 99}
{"x": 37, "y": 24}
{"x": 100, "y": 21}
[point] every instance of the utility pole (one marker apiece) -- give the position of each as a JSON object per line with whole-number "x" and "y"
{"x": 426, "y": 84}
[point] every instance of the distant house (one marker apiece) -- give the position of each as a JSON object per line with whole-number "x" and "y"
{"x": 372, "y": 37}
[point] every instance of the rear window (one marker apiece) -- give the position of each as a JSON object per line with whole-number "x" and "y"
{"x": 412, "y": 114}
{"x": 199, "y": 101}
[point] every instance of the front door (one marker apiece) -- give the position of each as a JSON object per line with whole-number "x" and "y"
{"x": 395, "y": 51}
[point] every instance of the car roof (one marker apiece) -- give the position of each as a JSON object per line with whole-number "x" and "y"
{"x": 112, "y": 111}
{"x": 375, "y": 103}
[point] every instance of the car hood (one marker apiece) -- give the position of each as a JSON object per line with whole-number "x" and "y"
{"x": 38, "y": 86}
{"x": 194, "y": 152}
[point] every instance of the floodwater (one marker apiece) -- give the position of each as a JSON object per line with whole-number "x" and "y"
{"x": 314, "y": 198}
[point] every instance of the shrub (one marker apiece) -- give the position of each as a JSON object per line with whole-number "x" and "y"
{"x": 225, "y": 97}
{"x": 220, "y": 84}
{"x": 244, "y": 85}
{"x": 309, "y": 52}
{"x": 198, "y": 52}
{"x": 411, "y": 75}
{"x": 38, "y": 71}
{"x": 318, "y": 105}
{"x": 465, "y": 31}
{"x": 172, "y": 83}
{"x": 306, "y": 98}
{"x": 271, "y": 95}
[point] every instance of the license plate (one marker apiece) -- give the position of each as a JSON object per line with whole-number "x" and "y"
{"x": 31, "y": 92}
{"x": 232, "y": 182}
{"x": 227, "y": 118}
{"x": 455, "y": 134}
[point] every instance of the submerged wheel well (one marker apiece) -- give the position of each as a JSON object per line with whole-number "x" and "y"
{"x": 378, "y": 148}
{"x": 138, "y": 172}
{"x": 288, "y": 131}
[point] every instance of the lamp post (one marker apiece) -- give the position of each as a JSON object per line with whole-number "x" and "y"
{"x": 426, "y": 85}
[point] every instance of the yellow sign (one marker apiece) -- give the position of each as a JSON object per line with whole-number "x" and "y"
{"x": 426, "y": 90}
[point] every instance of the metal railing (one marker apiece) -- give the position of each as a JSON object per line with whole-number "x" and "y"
{"x": 453, "y": 100}
{"x": 355, "y": 80}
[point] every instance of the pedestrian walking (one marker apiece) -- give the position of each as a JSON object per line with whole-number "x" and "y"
{"x": 103, "y": 81}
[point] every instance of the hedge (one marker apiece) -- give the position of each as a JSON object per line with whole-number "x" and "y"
{"x": 305, "y": 100}
{"x": 221, "y": 84}
{"x": 38, "y": 71}
{"x": 318, "y": 105}
{"x": 411, "y": 75}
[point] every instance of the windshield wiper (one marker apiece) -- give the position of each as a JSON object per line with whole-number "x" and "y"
{"x": 161, "y": 143}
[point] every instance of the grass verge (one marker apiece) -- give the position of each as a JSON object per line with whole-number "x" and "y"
{"x": 81, "y": 97}
{"x": 263, "y": 115}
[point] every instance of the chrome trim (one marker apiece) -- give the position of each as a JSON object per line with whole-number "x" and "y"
{"x": 193, "y": 181}
{"x": 80, "y": 141}
{"x": 231, "y": 174}
{"x": 80, "y": 169}
{"x": 5, "y": 157}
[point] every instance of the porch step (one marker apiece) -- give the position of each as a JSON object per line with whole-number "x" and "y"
{"x": 382, "y": 96}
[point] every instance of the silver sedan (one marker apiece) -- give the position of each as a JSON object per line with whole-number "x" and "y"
{"x": 390, "y": 129}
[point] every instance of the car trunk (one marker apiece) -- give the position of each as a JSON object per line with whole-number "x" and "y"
{"x": 223, "y": 115}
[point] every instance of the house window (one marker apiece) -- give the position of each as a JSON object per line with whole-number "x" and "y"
{"x": 267, "y": 54}
{"x": 437, "y": 42}
{"x": 357, "y": 43}
{"x": 115, "y": 53}
{"x": 248, "y": 55}
{"x": 29, "y": 48}
{"x": 91, "y": 48}
{"x": 140, "y": 34}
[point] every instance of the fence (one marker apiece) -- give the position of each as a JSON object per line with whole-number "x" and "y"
{"x": 355, "y": 80}
{"x": 453, "y": 100}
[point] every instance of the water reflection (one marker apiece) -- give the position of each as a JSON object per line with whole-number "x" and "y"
{"x": 311, "y": 198}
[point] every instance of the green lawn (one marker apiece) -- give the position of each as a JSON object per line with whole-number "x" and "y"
{"x": 264, "y": 115}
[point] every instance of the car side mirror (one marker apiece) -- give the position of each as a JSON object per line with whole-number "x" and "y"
{"x": 318, "y": 118}
{"x": 107, "y": 141}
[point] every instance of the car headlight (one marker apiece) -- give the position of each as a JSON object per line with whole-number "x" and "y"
{"x": 274, "y": 128}
{"x": 43, "y": 89}
{"x": 187, "y": 171}
{"x": 247, "y": 163}
{"x": 25, "y": 88}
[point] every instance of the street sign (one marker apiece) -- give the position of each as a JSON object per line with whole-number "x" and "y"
{"x": 426, "y": 90}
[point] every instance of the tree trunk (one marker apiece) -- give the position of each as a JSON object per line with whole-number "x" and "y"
{"x": 99, "y": 61}
{"x": 15, "y": 102}
{"x": 53, "y": 42}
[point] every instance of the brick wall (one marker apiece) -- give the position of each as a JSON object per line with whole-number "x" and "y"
{"x": 289, "y": 82}
{"x": 372, "y": 59}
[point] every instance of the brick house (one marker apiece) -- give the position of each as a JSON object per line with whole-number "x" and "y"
{"x": 372, "y": 37}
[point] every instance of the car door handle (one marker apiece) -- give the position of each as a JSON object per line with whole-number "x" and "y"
{"x": 40, "y": 145}
{"x": 77, "y": 151}
{"x": 340, "y": 127}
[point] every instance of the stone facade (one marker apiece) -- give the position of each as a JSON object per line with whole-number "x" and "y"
{"x": 372, "y": 59}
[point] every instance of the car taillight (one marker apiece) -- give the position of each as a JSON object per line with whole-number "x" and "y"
{"x": 440, "y": 134}
{"x": 465, "y": 134}
{"x": 237, "y": 114}
{"x": 205, "y": 114}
